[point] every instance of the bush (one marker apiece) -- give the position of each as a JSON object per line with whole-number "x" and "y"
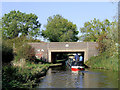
{"x": 26, "y": 77}
{"x": 25, "y": 52}
{"x": 7, "y": 53}
{"x": 9, "y": 77}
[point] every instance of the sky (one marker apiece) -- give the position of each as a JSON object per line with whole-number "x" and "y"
{"x": 76, "y": 12}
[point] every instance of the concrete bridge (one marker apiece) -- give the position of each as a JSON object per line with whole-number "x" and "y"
{"x": 47, "y": 51}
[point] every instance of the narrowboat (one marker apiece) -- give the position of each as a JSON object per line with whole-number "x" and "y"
{"x": 75, "y": 65}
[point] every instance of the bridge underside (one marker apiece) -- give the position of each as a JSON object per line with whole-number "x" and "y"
{"x": 53, "y": 54}
{"x": 63, "y": 55}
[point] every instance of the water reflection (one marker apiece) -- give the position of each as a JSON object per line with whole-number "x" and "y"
{"x": 64, "y": 78}
{"x": 78, "y": 78}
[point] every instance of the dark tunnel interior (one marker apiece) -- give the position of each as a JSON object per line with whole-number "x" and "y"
{"x": 57, "y": 56}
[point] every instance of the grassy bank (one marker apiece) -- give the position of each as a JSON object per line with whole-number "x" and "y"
{"x": 25, "y": 77}
{"x": 102, "y": 61}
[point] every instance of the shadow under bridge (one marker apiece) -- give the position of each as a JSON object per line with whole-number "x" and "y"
{"x": 57, "y": 57}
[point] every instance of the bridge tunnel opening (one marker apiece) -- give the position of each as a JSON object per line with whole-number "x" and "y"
{"x": 57, "y": 57}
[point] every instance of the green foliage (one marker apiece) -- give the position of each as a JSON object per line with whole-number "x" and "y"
{"x": 106, "y": 34}
{"x": 59, "y": 29}
{"x": 26, "y": 77}
{"x": 25, "y": 52}
{"x": 16, "y": 23}
{"x": 7, "y": 53}
{"x": 20, "y": 51}
{"x": 93, "y": 29}
{"x": 101, "y": 43}
{"x": 19, "y": 41}
{"x": 9, "y": 77}
{"x": 103, "y": 61}
{"x": 108, "y": 42}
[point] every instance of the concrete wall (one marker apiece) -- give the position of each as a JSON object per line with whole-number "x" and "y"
{"x": 92, "y": 51}
{"x": 89, "y": 48}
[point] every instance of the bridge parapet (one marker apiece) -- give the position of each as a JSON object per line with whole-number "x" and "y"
{"x": 45, "y": 49}
{"x": 67, "y": 45}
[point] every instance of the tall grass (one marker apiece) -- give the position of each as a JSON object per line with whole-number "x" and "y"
{"x": 103, "y": 61}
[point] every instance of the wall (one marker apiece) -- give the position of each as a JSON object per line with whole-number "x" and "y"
{"x": 41, "y": 50}
{"x": 89, "y": 48}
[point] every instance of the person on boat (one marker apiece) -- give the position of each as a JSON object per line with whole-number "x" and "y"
{"x": 76, "y": 57}
{"x": 81, "y": 58}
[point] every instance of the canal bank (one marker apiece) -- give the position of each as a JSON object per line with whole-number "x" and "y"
{"x": 24, "y": 77}
{"x": 42, "y": 73}
{"x": 103, "y": 61}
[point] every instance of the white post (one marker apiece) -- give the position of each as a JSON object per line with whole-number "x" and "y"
{"x": 49, "y": 58}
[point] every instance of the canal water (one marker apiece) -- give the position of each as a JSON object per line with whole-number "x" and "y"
{"x": 63, "y": 77}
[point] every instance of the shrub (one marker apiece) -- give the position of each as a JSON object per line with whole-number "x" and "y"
{"x": 25, "y": 52}
{"x": 7, "y": 53}
{"x": 20, "y": 52}
{"x": 104, "y": 61}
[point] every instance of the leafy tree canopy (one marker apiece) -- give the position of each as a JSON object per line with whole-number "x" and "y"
{"x": 93, "y": 29}
{"x": 17, "y": 23}
{"x": 105, "y": 33}
{"x": 59, "y": 29}
{"x": 108, "y": 42}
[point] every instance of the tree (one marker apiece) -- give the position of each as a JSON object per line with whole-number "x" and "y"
{"x": 109, "y": 41}
{"x": 93, "y": 29}
{"x": 25, "y": 52}
{"x": 59, "y": 29}
{"x": 17, "y": 23}
{"x": 105, "y": 33}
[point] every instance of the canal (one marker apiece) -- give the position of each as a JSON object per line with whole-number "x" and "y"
{"x": 63, "y": 77}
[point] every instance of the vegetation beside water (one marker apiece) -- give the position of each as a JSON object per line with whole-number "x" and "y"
{"x": 20, "y": 68}
{"x": 22, "y": 77}
{"x": 106, "y": 34}
{"x": 102, "y": 61}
